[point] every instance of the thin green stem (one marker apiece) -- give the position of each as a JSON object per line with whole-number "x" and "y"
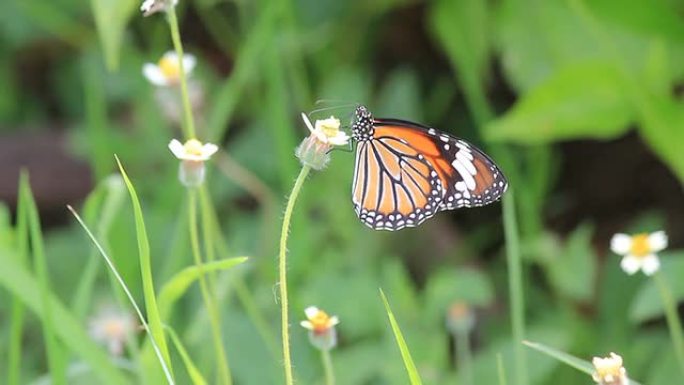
{"x": 515, "y": 286}
{"x": 500, "y": 369}
{"x": 464, "y": 358}
{"x": 328, "y": 367}
{"x": 188, "y": 120}
{"x": 224, "y": 370}
{"x": 673, "y": 321}
{"x": 282, "y": 256}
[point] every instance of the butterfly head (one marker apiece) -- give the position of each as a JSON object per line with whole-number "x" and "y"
{"x": 362, "y": 124}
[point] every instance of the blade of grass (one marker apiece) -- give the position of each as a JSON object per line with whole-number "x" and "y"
{"x": 570, "y": 360}
{"x": 672, "y": 317}
{"x": 179, "y": 283}
{"x": 122, "y": 283}
{"x": 55, "y": 357}
{"x": 17, "y": 316}
{"x": 414, "y": 377}
{"x": 18, "y": 280}
{"x": 501, "y": 370}
{"x": 190, "y": 366}
{"x": 515, "y": 286}
{"x": 156, "y": 327}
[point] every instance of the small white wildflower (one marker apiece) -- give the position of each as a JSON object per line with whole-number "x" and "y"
{"x": 314, "y": 149}
{"x": 321, "y": 326}
{"x": 167, "y": 71}
{"x": 609, "y": 370}
{"x": 460, "y": 318}
{"x": 111, "y": 327}
{"x": 192, "y": 155}
{"x": 150, "y": 7}
{"x": 639, "y": 251}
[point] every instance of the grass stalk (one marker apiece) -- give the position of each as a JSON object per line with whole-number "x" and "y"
{"x": 282, "y": 268}
{"x": 188, "y": 120}
{"x": 411, "y": 370}
{"x": 209, "y": 300}
{"x": 500, "y": 369}
{"x": 328, "y": 367}
{"x": 515, "y": 285}
{"x": 674, "y": 323}
{"x": 464, "y": 358}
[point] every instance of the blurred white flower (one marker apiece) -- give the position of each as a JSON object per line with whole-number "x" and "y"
{"x": 639, "y": 251}
{"x": 167, "y": 71}
{"x": 609, "y": 370}
{"x": 149, "y": 7}
{"x": 192, "y": 155}
{"x": 460, "y": 318}
{"x": 111, "y": 327}
{"x": 321, "y": 326}
{"x": 327, "y": 130}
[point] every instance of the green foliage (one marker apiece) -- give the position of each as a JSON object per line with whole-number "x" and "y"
{"x": 414, "y": 377}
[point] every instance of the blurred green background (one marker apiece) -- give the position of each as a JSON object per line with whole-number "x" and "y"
{"x": 580, "y": 102}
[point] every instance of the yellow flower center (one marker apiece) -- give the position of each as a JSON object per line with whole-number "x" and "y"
{"x": 320, "y": 321}
{"x": 193, "y": 147}
{"x": 459, "y": 310}
{"x": 640, "y": 245}
{"x": 170, "y": 68}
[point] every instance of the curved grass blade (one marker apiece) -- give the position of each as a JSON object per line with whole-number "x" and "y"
{"x": 414, "y": 377}
{"x": 568, "y": 359}
{"x": 179, "y": 283}
{"x": 156, "y": 326}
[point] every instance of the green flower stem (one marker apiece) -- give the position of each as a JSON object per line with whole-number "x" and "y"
{"x": 328, "y": 367}
{"x": 515, "y": 287}
{"x": 188, "y": 121}
{"x": 222, "y": 360}
{"x": 464, "y": 358}
{"x": 282, "y": 256}
{"x": 673, "y": 321}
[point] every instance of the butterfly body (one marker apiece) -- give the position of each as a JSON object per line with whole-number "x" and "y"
{"x": 406, "y": 172}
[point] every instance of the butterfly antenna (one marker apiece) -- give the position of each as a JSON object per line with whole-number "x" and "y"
{"x": 322, "y": 109}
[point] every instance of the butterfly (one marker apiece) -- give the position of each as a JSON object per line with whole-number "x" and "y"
{"x": 405, "y": 173}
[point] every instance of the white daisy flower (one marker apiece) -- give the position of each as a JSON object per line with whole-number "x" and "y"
{"x": 167, "y": 71}
{"x": 111, "y": 327}
{"x": 639, "y": 251}
{"x": 327, "y": 130}
{"x": 192, "y": 155}
{"x": 149, "y": 7}
{"x": 321, "y": 326}
{"x": 314, "y": 149}
{"x": 609, "y": 370}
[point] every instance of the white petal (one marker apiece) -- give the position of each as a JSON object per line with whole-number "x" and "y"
{"x": 145, "y": 7}
{"x": 307, "y": 122}
{"x": 657, "y": 241}
{"x": 307, "y": 325}
{"x": 177, "y": 149}
{"x": 154, "y": 74}
{"x": 171, "y": 56}
{"x": 189, "y": 63}
{"x": 630, "y": 264}
{"x": 334, "y": 320}
{"x": 621, "y": 243}
{"x": 208, "y": 150}
{"x": 311, "y": 312}
{"x": 340, "y": 139}
{"x": 650, "y": 264}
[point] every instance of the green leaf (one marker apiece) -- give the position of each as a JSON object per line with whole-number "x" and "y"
{"x": 570, "y": 360}
{"x": 414, "y": 377}
{"x": 16, "y": 279}
{"x": 179, "y": 283}
{"x": 111, "y": 18}
{"x": 581, "y": 101}
{"x": 154, "y": 318}
{"x": 576, "y": 259}
{"x": 662, "y": 126}
{"x": 647, "y": 303}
